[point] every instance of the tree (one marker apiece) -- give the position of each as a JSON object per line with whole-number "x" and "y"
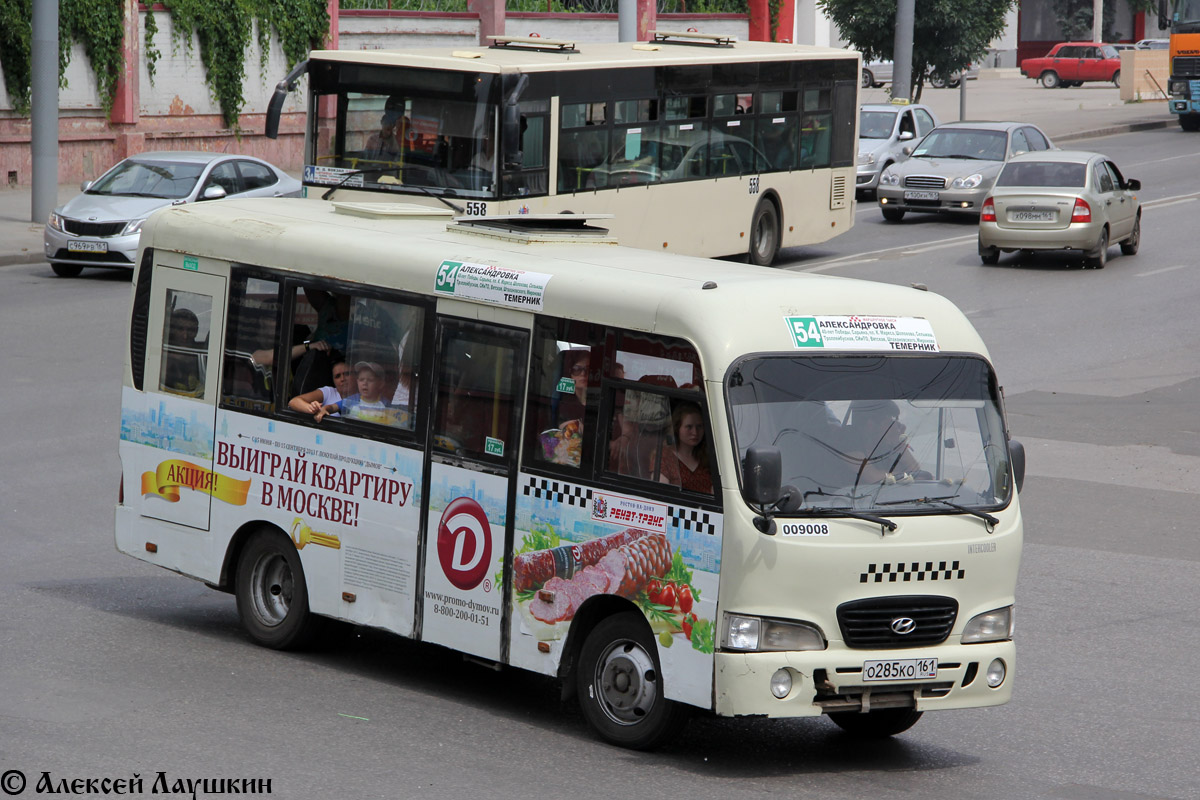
{"x": 948, "y": 35}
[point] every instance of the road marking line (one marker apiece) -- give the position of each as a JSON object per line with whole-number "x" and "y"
{"x": 831, "y": 265}
{"x": 885, "y": 250}
{"x": 1160, "y": 271}
{"x": 1159, "y": 160}
{"x": 1170, "y": 201}
{"x": 949, "y": 243}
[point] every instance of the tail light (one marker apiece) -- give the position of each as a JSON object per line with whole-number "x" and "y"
{"x": 988, "y": 212}
{"x": 1082, "y": 211}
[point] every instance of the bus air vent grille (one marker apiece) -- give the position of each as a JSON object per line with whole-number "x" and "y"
{"x": 869, "y": 623}
{"x": 837, "y": 192}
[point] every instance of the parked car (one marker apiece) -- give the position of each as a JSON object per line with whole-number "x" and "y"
{"x": 101, "y": 227}
{"x": 885, "y": 132}
{"x": 1073, "y": 63}
{"x": 953, "y": 168}
{"x": 1119, "y": 46}
{"x": 1153, "y": 44}
{"x": 877, "y": 73}
{"x": 1061, "y": 200}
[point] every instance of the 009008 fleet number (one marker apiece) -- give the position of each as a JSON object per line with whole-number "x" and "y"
{"x": 804, "y": 529}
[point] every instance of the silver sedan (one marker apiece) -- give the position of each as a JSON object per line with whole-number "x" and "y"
{"x": 1061, "y": 200}
{"x": 953, "y": 168}
{"x": 101, "y": 227}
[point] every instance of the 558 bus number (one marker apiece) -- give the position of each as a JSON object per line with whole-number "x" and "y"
{"x": 476, "y": 208}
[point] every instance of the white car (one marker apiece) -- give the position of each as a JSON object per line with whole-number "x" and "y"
{"x": 102, "y": 226}
{"x": 886, "y": 134}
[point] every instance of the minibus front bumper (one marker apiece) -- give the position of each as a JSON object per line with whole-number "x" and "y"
{"x": 832, "y": 680}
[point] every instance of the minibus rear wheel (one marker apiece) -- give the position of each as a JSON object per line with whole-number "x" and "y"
{"x": 272, "y": 596}
{"x": 620, "y": 687}
{"x": 878, "y": 724}
{"x": 764, "y": 234}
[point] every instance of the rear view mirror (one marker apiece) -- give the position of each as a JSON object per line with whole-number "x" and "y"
{"x": 212, "y": 193}
{"x": 1016, "y": 456}
{"x": 83, "y": 187}
{"x": 1133, "y": 185}
{"x": 907, "y": 150}
{"x": 906, "y": 136}
{"x": 763, "y": 471}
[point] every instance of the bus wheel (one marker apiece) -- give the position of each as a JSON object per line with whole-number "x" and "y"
{"x": 764, "y": 234}
{"x": 876, "y": 724}
{"x": 272, "y": 597}
{"x": 620, "y": 685}
{"x": 66, "y": 270}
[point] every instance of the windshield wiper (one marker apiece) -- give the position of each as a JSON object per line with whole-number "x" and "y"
{"x": 382, "y": 170}
{"x": 842, "y": 511}
{"x": 988, "y": 518}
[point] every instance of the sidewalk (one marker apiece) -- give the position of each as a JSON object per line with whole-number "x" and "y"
{"x": 1066, "y": 115}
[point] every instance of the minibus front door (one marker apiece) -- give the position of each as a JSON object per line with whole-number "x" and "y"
{"x": 473, "y": 459}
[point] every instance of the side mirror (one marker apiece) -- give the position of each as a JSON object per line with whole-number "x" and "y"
{"x": 83, "y": 187}
{"x": 906, "y": 136}
{"x": 1016, "y": 456}
{"x": 907, "y": 150}
{"x": 212, "y": 193}
{"x": 763, "y": 473}
{"x": 1133, "y": 185}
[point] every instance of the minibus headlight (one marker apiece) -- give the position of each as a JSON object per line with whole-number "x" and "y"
{"x": 769, "y": 635}
{"x": 993, "y": 626}
{"x": 969, "y": 182}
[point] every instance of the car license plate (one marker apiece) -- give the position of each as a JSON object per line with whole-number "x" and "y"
{"x": 1031, "y": 216}
{"x": 921, "y": 196}
{"x": 87, "y": 247}
{"x": 902, "y": 669}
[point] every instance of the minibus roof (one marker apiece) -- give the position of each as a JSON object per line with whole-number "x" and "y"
{"x": 743, "y": 310}
{"x": 585, "y": 55}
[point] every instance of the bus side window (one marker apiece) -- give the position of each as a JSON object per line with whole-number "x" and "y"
{"x": 582, "y": 146}
{"x": 564, "y": 365}
{"x": 251, "y": 342}
{"x": 184, "y": 368}
{"x": 383, "y": 348}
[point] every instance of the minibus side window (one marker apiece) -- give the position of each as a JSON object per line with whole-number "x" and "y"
{"x": 184, "y": 368}
{"x": 563, "y": 383}
{"x": 251, "y": 343}
{"x": 373, "y": 347}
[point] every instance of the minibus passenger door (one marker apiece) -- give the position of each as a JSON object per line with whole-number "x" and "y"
{"x": 473, "y": 452}
{"x": 175, "y": 426}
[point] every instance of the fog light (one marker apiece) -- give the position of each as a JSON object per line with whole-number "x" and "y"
{"x": 781, "y": 683}
{"x": 996, "y": 673}
{"x": 883, "y": 201}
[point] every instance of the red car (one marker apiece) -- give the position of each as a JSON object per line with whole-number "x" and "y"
{"x": 1072, "y": 63}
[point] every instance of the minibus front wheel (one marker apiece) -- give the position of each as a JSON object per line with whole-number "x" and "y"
{"x": 620, "y": 687}
{"x": 272, "y": 596}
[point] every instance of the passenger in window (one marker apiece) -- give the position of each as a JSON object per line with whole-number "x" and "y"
{"x": 563, "y": 443}
{"x": 344, "y": 385}
{"x": 368, "y": 405}
{"x": 182, "y": 374}
{"x": 686, "y": 463}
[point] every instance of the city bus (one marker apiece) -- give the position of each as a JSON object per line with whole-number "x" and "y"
{"x": 1182, "y": 17}
{"x": 696, "y": 144}
{"x": 673, "y": 484}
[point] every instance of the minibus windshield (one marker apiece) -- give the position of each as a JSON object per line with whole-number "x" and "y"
{"x": 884, "y": 433}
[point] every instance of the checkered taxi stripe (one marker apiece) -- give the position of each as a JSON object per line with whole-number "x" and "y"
{"x": 689, "y": 519}
{"x": 558, "y": 491}
{"x": 912, "y": 571}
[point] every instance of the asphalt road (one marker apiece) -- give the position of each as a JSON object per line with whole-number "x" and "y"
{"x": 111, "y": 668}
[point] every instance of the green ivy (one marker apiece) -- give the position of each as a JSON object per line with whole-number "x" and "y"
{"x": 16, "y": 33}
{"x": 151, "y": 53}
{"x": 98, "y": 25}
{"x": 223, "y": 30}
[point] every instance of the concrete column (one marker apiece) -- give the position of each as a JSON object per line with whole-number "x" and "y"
{"x": 1097, "y": 20}
{"x": 43, "y": 118}
{"x": 127, "y": 98}
{"x": 491, "y": 18}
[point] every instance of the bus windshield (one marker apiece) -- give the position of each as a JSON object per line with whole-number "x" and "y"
{"x": 427, "y": 130}
{"x": 891, "y": 434}
{"x": 1185, "y": 17}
